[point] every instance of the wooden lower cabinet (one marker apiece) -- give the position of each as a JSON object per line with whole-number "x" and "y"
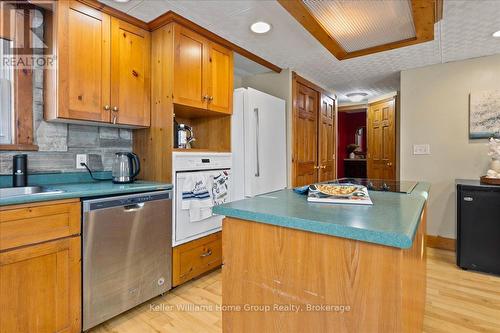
{"x": 40, "y": 267}
{"x": 310, "y": 282}
{"x": 196, "y": 257}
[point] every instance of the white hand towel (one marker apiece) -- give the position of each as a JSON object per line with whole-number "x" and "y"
{"x": 196, "y": 197}
{"x": 220, "y": 189}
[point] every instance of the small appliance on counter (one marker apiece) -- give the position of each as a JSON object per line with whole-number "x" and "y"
{"x": 478, "y": 227}
{"x": 383, "y": 185}
{"x": 126, "y": 167}
{"x": 185, "y": 136}
{"x": 20, "y": 170}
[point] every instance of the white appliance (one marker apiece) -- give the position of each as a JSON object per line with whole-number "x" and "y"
{"x": 258, "y": 143}
{"x": 188, "y": 163}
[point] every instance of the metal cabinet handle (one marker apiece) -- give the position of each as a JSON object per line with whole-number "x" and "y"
{"x": 115, "y": 109}
{"x": 205, "y": 97}
{"x": 257, "y": 169}
{"x": 316, "y": 167}
{"x": 134, "y": 207}
{"x": 206, "y": 254}
{"x": 211, "y": 98}
{"x": 389, "y": 164}
{"x": 322, "y": 167}
{"x": 134, "y": 73}
{"x": 107, "y": 107}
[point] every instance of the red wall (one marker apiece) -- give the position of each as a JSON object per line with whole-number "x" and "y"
{"x": 348, "y": 124}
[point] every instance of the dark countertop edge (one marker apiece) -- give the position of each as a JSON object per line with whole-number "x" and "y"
{"x": 26, "y": 199}
{"x": 335, "y": 230}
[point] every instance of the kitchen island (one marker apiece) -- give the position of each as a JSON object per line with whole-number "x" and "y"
{"x": 294, "y": 266}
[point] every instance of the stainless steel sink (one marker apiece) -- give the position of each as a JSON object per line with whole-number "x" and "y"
{"x": 28, "y": 190}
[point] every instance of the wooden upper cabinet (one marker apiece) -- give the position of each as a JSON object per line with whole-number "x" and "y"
{"x": 83, "y": 49}
{"x": 103, "y": 71}
{"x": 221, "y": 79}
{"x": 191, "y": 54}
{"x": 130, "y": 74}
{"x": 203, "y": 72}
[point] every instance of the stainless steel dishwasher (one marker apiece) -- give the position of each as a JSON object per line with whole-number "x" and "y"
{"x": 127, "y": 253}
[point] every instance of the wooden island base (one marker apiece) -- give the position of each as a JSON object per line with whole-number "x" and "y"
{"x": 338, "y": 284}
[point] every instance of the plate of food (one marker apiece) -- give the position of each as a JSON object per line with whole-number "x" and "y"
{"x": 336, "y": 190}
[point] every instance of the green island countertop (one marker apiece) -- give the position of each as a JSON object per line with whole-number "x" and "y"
{"x": 392, "y": 220}
{"x": 76, "y": 185}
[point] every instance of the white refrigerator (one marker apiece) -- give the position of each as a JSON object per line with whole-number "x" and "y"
{"x": 258, "y": 143}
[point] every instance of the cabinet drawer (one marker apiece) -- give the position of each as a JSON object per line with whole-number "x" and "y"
{"x": 22, "y": 225}
{"x": 195, "y": 258}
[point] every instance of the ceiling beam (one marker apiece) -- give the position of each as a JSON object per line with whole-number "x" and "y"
{"x": 425, "y": 14}
{"x": 303, "y": 15}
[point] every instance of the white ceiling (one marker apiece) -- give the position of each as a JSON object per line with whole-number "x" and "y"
{"x": 465, "y": 32}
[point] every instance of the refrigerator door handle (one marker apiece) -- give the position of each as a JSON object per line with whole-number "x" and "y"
{"x": 257, "y": 170}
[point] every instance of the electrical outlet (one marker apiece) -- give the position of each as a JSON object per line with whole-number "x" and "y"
{"x": 81, "y": 158}
{"x": 423, "y": 149}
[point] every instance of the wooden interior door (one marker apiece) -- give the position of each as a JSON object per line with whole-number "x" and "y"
{"x": 305, "y": 132}
{"x": 381, "y": 137}
{"x": 190, "y": 68}
{"x": 40, "y": 288}
{"x": 220, "y": 79}
{"x": 130, "y": 74}
{"x": 326, "y": 139}
{"x": 84, "y": 62}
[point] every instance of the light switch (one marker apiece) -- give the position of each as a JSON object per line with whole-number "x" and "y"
{"x": 422, "y": 149}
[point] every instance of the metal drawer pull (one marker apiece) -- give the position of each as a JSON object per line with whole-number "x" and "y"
{"x": 206, "y": 254}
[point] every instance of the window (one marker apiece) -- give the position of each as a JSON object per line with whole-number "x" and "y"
{"x": 16, "y": 81}
{"x": 6, "y": 95}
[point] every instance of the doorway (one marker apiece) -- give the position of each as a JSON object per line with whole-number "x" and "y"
{"x": 368, "y": 140}
{"x": 352, "y": 142}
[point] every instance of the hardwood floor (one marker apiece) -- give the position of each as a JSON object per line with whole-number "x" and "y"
{"x": 457, "y": 301}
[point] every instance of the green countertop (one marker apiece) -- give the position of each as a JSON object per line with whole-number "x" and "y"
{"x": 77, "y": 185}
{"x": 392, "y": 220}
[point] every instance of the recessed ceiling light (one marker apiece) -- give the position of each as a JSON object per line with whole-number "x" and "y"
{"x": 260, "y": 27}
{"x": 121, "y": 0}
{"x": 496, "y": 34}
{"x": 357, "y": 96}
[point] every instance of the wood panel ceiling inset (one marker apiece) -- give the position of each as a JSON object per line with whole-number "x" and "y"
{"x": 354, "y": 28}
{"x": 358, "y": 25}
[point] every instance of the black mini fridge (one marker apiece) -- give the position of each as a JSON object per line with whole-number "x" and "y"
{"x": 478, "y": 226}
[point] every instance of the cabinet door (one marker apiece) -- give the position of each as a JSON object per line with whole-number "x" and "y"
{"x": 130, "y": 74}
{"x": 190, "y": 68}
{"x": 381, "y": 134}
{"x": 326, "y": 139}
{"x": 305, "y": 129}
{"x": 84, "y": 62}
{"x": 40, "y": 288}
{"x": 220, "y": 79}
